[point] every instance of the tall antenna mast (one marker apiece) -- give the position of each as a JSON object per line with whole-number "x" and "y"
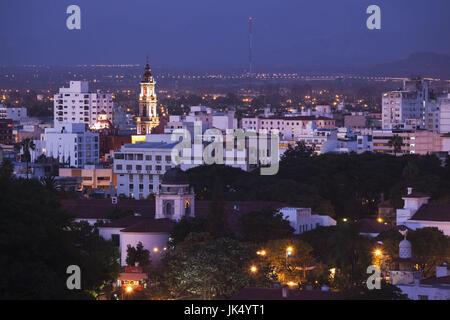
{"x": 250, "y": 48}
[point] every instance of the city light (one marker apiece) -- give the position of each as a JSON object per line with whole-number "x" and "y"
{"x": 129, "y": 289}
{"x": 291, "y": 283}
{"x": 289, "y": 250}
{"x": 261, "y": 253}
{"x": 378, "y": 252}
{"x": 253, "y": 269}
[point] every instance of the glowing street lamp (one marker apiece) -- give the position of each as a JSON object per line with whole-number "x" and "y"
{"x": 378, "y": 252}
{"x": 253, "y": 269}
{"x": 288, "y": 253}
{"x": 261, "y": 252}
{"x": 291, "y": 283}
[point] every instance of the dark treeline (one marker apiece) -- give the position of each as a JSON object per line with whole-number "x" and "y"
{"x": 340, "y": 185}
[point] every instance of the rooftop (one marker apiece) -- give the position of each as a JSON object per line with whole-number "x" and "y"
{"x": 433, "y": 212}
{"x": 276, "y": 294}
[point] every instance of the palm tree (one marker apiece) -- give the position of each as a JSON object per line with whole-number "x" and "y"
{"x": 27, "y": 145}
{"x": 396, "y": 142}
{"x": 49, "y": 182}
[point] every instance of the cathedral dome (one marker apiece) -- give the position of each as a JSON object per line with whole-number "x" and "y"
{"x": 175, "y": 176}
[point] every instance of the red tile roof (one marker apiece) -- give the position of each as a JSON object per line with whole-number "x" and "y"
{"x": 433, "y": 212}
{"x": 151, "y": 225}
{"x": 372, "y": 226}
{"x": 416, "y": 195}
{"x": 100, "y": 208}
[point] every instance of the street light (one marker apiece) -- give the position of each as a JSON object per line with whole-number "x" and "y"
{"x": 261, "y": 252}
{"x": 253, "y": 269}
{"x": 288, "y": 253}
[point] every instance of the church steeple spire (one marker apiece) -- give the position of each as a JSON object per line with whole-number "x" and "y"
{"x": 147, "y": 73}
{"x": 148, "y": 115}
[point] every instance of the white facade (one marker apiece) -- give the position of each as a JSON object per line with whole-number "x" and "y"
{"x": 418, "y": 291}
{"x": 175, "y": 201}
{"x": 302, "y": 220}
{"x": 77, "y": 105}
{"x": 70, "y": 143}
{"x": 411, "y": 205}
{"x": 204, "y": 115}
{"x": 405, "y": 215}
{"x": 290, "y": 128}
{"x": 15, "y": 114}
{"x": 405, "y": 106}
{"x": 139, "y": 167}
{"x": 444, "y": 114}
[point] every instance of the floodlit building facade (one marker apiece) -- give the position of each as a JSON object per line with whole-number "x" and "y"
{"x": 70, "y": 143}
{"x": 77, "y": 105}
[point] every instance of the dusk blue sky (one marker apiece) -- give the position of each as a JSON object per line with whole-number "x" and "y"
{"x": 211, "y": 33}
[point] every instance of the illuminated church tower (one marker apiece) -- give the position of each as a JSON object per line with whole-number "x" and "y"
{"x": 148, "y": 117}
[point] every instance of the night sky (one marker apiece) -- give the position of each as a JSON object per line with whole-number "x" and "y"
{"x": 211, "y": 33}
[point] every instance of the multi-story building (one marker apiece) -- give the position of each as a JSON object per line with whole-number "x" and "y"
{"x": 444, "y": 114}
{"x": 15, "y": 114}
{"x": 92, "y": 177}
{"x": 77, "y": 105}
{"x": 414, "y": 141}
{"x": 204, "y": 115}
{"x": 139, "y": 167}
{"x": 290, "y": 128}
{"x": 348, "y": 141}
{"x": 408, "y": 106}
{"x": 70, "y": 143}
{"x": 148, "y": 116}
{"x": 6, "y": 132}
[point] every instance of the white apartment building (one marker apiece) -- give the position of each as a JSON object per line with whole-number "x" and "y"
{"x": 302, "y": 220}
{"x": 204, "y": 115}
{"x": 15, "y": 114}
{"x": 348, "y": 141}
{"x": 77, "y": 105}
{"x": 70, "y": 143}
{"x": 290, "y": 128}
{"x": 404, "y": 106}
{"x": 444, "y": 114}
{"x": 139, "y": 167}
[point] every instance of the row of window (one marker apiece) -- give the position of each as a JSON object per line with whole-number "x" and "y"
{"x": 139, "y": 167}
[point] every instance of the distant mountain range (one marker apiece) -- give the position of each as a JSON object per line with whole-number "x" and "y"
{"x": 426, "y": 64}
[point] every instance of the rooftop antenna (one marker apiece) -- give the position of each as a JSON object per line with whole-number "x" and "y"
{"x": 250, "y": 48}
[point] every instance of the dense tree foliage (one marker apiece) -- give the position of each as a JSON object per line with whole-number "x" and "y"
{"x": 207, "y": 268}
{"x": 263, "y": 226}
{"x": 430, "y": 245}
{"x": 344, "y": 185}
{"x": 38, "y": 242}
{"x": 138, "y": 256}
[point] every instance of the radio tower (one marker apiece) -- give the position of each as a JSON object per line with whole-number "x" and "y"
{"x": 250, "y": 47}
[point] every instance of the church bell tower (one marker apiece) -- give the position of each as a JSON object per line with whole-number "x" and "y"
{"x": 148, "y": 117}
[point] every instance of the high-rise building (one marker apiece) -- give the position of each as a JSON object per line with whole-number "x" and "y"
{"x": 148, "y": 117}
{"x": 70, "y": 143}
{"x": 77, "y": 105}
{"x": 410, "y": 107}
